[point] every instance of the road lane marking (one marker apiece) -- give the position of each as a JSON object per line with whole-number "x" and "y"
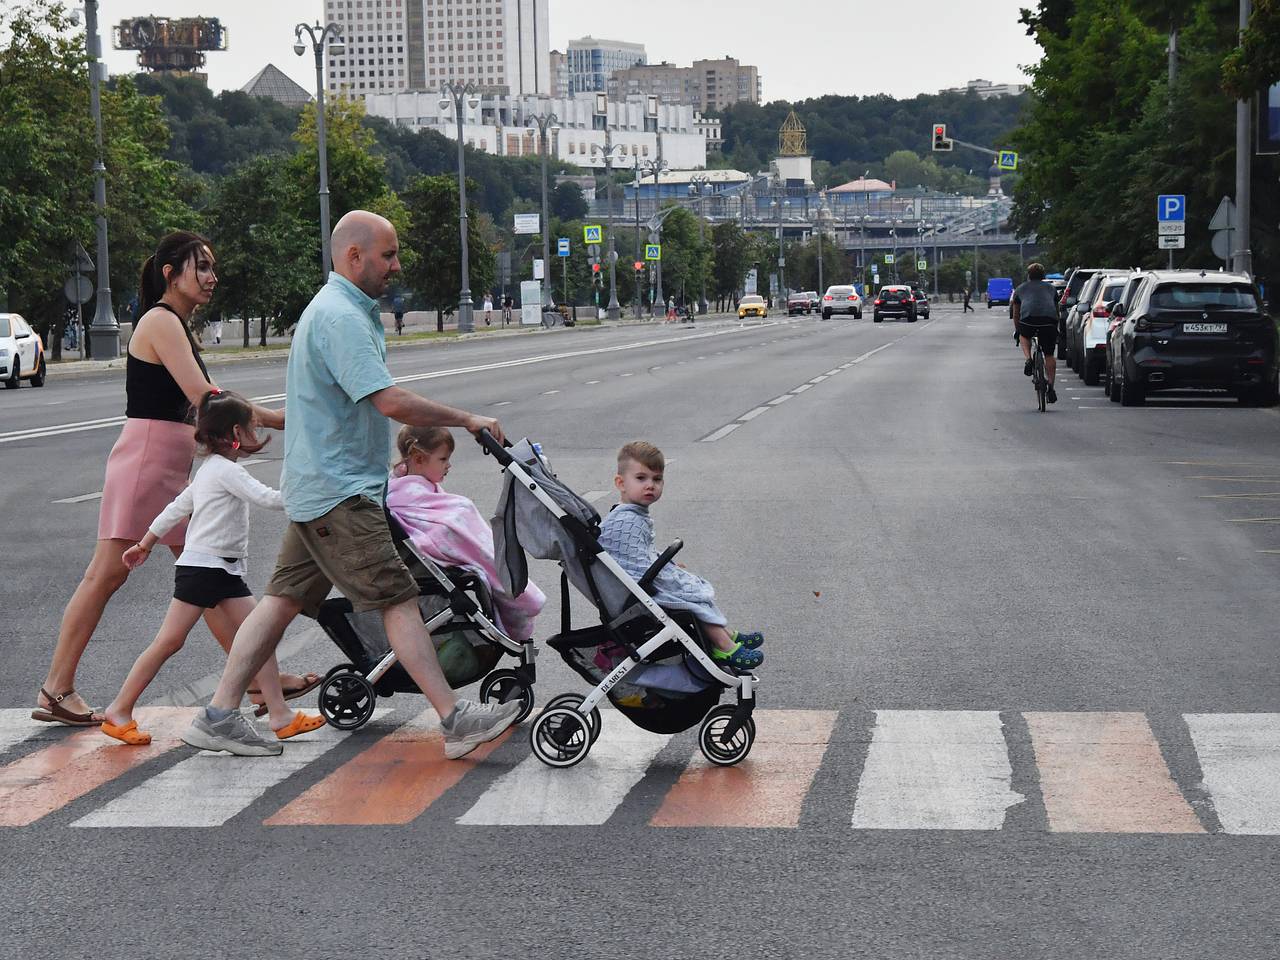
{"x": 935, "y": 770}
{"x": 548, "y": 393}
{"x": 1240, "y": 757}
{"x": 394, "y": 781}
{"x": 1238, "y": 479}
{"x": 208, "y": 789}
{"x": 782, "y": 399}
{"x": 83, "y": 498}
{"x": 586, "y": 794}
{"x": 1104, "y": 773}
{"x": 1238, "y": 496}
{"x": 591, "y": 496}
{"x": 752, "y": 414}
{"x": 720, "y": 434}
{"x": 1255, "y": 520}
{"x": 767, "y": 789}
{"x": 802, "y": 388}
{"x": 16, "y": 726}
{"x": 40, "y": 783}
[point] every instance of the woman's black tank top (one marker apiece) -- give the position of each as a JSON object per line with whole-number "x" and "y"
{"x": 150, "y": 391}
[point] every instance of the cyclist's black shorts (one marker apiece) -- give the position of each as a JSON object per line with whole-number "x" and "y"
{"x": 1043, "y": 328}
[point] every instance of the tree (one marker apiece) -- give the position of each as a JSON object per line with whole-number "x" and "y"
{"x": 686, "y": 261}
{"x": 1255, "y": 65}
{"x": 566, "y": 202}
{"x": 431, "y": 204}
{"x": 731, "y": 252}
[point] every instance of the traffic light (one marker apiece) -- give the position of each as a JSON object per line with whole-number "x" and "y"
{"x": 595, "y": 268}
{"x": 940, "y": 141}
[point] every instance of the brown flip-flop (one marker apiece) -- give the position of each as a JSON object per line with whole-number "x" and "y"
{"x": 312, "y": 680}
{"x": 57, "y": 713}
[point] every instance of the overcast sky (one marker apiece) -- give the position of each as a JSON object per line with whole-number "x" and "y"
{"x": 804, "y": 48}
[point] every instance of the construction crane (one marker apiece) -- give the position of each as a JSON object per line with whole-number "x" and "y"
{"x": 170, "y": 45}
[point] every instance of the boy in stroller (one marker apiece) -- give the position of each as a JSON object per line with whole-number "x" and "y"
{"x": 627, "y": 533}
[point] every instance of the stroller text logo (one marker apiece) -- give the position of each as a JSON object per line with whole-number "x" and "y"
{"x": 620, "y": 671}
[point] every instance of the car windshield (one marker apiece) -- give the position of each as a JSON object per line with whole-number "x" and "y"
{"x": 747, "y": 301}
{"x": 1111, "y": 292}
{"x": 4, "y": 327}
{"x": 1204, "y": 296}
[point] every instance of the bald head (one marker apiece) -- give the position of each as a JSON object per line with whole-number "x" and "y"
{"x": 365, "y": 251}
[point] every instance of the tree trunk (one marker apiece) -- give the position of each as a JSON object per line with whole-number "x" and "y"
{"x": 439, "y": 319}
{"x": 262, "y": 336}
{"x": 245, "y": 323}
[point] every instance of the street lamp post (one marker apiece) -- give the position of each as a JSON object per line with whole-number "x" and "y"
{"x": 824, "y": 214}
{"x": 936, "y": 226}
{"x": 544, "y": 121}
{"x": 319, "y": 34}
{"x": 636, "y": 190}
{"x": 699, "y": 183}
{"x": 104, "y": 332}
{"x": 893, "y": 233}
{"x": 655, "y": 167}
{"x": 614, "y": 309}
{"x": 782, "y": 251}
{"x": 862, "y": 252}
{"x": 455, "y": 93}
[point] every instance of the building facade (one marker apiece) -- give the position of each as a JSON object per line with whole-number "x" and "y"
{"x": 559, "y": 74}
{"x": 592, "y": 62}
{"x": 985, "y": 89}
{"x": 396, "y": 45}
{"x": 709, "y": 85}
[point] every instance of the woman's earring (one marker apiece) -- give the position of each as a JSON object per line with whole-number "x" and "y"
{"x": 235, "y": 444}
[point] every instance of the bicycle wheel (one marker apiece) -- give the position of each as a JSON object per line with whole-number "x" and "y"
{"x": 1038, "y": 375}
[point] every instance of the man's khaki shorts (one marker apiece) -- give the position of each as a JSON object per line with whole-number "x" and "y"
{"x": 350, "y": 548}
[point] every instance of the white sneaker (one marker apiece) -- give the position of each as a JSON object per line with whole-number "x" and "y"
{"x": 475, "y": 723}
{"x": 232, "y": 733}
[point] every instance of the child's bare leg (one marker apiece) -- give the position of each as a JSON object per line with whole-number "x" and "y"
{"x": 718, "y": 635}
{"x": 178, "y": 621}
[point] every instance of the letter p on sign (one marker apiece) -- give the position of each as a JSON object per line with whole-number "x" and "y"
{"x": 1171, "y": 207}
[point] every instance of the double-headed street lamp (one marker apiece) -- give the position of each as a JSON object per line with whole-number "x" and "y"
{"x": 454, "y": 94}
{"x": 655, "y": 167}
{"x": 104, "y": 332}
{"x": 544, "y": 122}
{"x": 782, "y": 250}
{"x": 698, "y": 185}
{"x": 331, "y": 33}
{"x": 614, "y": 309}
{"x": 824, "y": 217}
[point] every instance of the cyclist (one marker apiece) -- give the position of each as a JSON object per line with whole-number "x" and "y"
{"x": 1035, "y": 314}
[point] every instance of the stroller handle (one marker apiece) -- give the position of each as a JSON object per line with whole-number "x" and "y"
{"x": 657, "y": 566}
{"x": 492, "y": 446}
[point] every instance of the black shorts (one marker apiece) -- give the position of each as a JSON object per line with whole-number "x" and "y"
{"x": 1046, "y": 331}
{"x": 207, "y": 586}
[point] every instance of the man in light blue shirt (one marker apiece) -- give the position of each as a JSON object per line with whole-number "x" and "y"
{"x": 341, "y": 399}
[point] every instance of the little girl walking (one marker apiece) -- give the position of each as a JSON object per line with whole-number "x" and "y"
{"x": 210, "y": 571}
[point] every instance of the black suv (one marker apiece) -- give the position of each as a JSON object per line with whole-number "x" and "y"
{"x": 894, "y": 301}
{"x": 1199, "y": 330}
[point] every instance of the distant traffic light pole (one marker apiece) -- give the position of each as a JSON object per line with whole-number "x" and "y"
{"x": 319, "y": 34}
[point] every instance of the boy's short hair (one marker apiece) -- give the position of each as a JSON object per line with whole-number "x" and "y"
{"x": 642, "y": 452}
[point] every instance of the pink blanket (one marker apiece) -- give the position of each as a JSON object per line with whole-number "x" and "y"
{"x": 450, "y": 530}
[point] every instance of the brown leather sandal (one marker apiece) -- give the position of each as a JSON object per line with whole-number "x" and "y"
{"x": 57, "y": 713}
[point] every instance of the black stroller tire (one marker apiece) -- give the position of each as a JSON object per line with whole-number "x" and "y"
{"x": 714, "y": 748}
{"x": 572, "y": 701}
{"x": 503, "y": 686}
{"x": 560, "y": 737}
{"x": 346, "y": 698}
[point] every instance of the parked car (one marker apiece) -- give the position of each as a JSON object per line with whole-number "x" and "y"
{"x": 21, "y": 352}
{"x": 922, "y": 302}
{"x": 1091, "y": 329}
{"x": 752, "y": 306}
{"x": 894, "y": 300}
{"x": 999, "y": 291}
{"x": 841, "y": 299}
{"x": 1197, "y": 330}
{"x": 815, "y": 301}
{"x": 1127, "y": 296}
{"x": 1076, "y": 278}
{"x": 1071, "y": 325}
{"x": 798, "y": 302}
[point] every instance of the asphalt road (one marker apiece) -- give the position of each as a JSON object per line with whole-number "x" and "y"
{"x": 1017, "y": 700}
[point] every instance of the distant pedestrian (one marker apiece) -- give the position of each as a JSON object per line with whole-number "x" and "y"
{"x": 507, "y": 303}
{"x": 399, "y": 321}
{"x": 488, "y": 310}
{"x": 216, "y": 329}
{"x": 967, "y": 309}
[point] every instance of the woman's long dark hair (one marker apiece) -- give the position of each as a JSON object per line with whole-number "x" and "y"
{"x": 175, "y": 250}
{"x": 219, "y": 413}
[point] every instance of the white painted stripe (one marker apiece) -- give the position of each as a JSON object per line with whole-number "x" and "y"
{"x": 208, "y": 789}
{"x": 802, "y": 388}
{"x": 503, "y": 403}
{"x": 752, "y": 414}
{"x": 626, "y": 374}
{"x": 591, "y": 496}
{"x": 782, "y": 399}
{"x": 1240, "y": 759}
{"x": 935, "y": 770}
{"x": 548, "y": 393}
{"x": 590, "y": 382}
{"x": 720, "y": 434}
{"x": 832, "y": 373}
{"x": 84, "y": 497}
{"x": 819, "y": 379}
{"x": 16, "y": 726}
{"x": 586, "y": 794}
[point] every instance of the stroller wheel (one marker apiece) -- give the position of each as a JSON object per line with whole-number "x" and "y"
{"x": 504, "y": 686}
{"x": 560, "y": 737}
{"x": 711, "y": 737}
{"x": 346, "y": 698}
{"x": 572, "y": 701}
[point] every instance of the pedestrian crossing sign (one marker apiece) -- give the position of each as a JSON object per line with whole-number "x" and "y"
{"x": 591, "y": 233}
{"x": 888, "y": 259}
{"x": 922, "y": 264}
{"x": 1008, "y": 160}
{"x": 653, "y": 251}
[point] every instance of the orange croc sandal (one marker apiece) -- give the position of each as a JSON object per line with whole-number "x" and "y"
{"x": 301, "y": 723}
{"x": 128, "y": 733}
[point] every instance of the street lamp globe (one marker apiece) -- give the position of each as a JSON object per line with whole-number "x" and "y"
{"x": 299, "y": 48}
{"x": 337, "y": 48}
{"x": 473, "y": 102}
{"x": 445, "y": 103}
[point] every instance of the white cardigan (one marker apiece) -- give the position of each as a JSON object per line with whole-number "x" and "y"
{"x": 217, "y": 501}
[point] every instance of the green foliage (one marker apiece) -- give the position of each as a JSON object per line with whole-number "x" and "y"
{"x": 432, "y": 207}
{"x": 687, "y": 262}
{"x": 802, "y": 265}
{"x": 732, "y": 257}
{"x": 566, "y": 202}
{"x": 1256, "y": 64}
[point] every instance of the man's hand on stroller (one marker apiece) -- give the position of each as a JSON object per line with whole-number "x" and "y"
{"x": 478, "y": 423}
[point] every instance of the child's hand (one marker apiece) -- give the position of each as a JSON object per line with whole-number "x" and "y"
{"x": 135, "y": 556}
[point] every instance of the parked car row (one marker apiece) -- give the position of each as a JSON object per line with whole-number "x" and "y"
{"x": 1138, "y": 332}
{"x": 21, "y": 352}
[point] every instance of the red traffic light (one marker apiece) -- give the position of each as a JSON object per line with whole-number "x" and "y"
{"x": 940, "y": 130}
{"x": 639, "y": 265}
{"x": 595, "y": 268}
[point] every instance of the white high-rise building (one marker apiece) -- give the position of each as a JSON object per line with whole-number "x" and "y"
{"x": 393, "y": 45}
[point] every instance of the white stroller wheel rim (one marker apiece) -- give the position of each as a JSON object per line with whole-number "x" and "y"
{"x": 560, "y": 737}
{"x": 710, "y": 734}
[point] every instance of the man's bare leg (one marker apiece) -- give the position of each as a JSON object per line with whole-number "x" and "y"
{"x": 416, "y": 653}
{"x": 255, "y": 642}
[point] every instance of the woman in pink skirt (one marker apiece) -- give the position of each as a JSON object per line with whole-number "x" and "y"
{"x": 150, "y": 463}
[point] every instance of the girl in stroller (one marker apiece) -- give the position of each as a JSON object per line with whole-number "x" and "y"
{"x": 448, "y": 527}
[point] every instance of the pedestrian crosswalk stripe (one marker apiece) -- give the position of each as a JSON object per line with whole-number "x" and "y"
{"x": 1104, "y": 773}
{"x": 391, "y": 782}
{"x": 208, "y": 789}
{"x": 17, "y": 726}
{"x": 1240, "y": 759}
{"x": 935, "y": 770}
{"x": 767, "y": 789}
{"x": 40, "y": 783}
{"x": 588, "y": 793}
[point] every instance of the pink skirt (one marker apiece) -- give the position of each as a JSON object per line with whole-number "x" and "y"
{"x": 149, "y": 465}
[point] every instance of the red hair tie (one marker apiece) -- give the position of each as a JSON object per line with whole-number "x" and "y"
{"x": 216, "y": 391}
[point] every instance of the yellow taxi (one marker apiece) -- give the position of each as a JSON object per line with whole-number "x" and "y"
{"x": 752, "y": 306}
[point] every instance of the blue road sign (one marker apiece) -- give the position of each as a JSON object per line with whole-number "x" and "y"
{"x": 1008, "y": 160}
{"x": 1171, "y": 207}
{"x": 562, "y": 247}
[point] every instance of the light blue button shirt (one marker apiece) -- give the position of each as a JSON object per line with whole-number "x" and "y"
{"x": 336, "y": 443}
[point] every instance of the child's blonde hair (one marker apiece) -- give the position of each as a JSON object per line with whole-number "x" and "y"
{"x": 642, "y": 452}
{"x": 425, "y": 439}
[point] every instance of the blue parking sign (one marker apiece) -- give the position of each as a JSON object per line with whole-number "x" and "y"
{"x": 1171, "y": 207}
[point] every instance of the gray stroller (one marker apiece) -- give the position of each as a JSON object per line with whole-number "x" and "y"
{"x": 652, "y": 664}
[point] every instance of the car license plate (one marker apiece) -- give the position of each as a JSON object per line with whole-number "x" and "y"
{"x": 1204, "y": 328}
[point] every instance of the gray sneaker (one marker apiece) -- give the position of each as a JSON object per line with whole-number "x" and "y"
{"x": 233, "y": 733}
{"x": 475, "y": 723}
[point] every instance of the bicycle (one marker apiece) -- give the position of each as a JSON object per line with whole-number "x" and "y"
{"x": 1039, "y": 379}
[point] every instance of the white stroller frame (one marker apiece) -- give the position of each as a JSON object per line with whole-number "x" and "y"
{"x": 727, "y": 732}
